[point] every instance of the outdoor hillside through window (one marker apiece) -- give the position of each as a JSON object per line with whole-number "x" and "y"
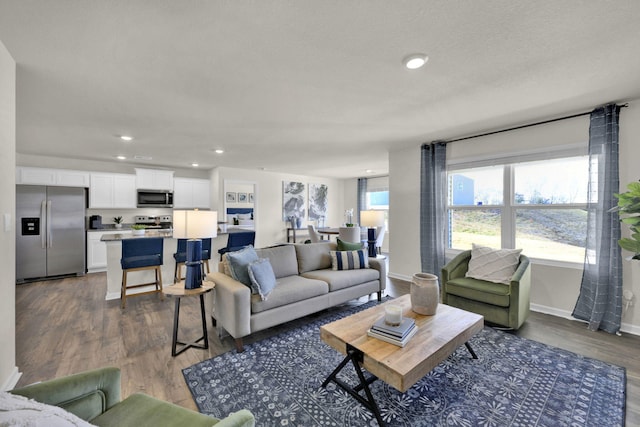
{"x": 539, "y": 206}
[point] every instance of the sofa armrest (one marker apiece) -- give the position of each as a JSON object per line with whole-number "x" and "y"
{"x": 522, "y": 268}
{"x": 242, "y": 418}
{"x": 232, "y": 306}
{"x": 457, "y": 267}
{"x": 86, "y": 394}
{"x": 380, "y": 265}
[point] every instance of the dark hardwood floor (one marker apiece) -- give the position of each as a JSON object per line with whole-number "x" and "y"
{"x": 65, "y": 326}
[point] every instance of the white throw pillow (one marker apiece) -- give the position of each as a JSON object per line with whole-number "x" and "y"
{"x": 493, "y": 265}
{"x": 17, "y": 410}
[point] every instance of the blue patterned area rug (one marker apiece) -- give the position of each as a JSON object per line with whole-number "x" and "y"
{"x": 515, "y": 382}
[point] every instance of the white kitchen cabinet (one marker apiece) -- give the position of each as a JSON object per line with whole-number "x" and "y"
{"x": 97, "y": 251}
{"x": 191, "y": 193}
{"x": 154, "y": 179}
{"x": 112, "y": 190}
{"x": 48, "y": 176}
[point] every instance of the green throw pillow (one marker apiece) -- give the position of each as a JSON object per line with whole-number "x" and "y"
{"x": 348, "y": 246}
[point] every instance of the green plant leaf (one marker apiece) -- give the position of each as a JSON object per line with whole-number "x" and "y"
{"x": 629, "y": 245}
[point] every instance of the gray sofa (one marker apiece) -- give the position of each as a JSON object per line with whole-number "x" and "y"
{"x": 305, "y": 284}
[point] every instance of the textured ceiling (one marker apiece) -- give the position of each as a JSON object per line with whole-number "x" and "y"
{"x": 309, "y": 87}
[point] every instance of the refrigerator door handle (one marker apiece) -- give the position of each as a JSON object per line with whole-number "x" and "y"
{"x": 49, "y": 242}
{"x": 43, "y": 217}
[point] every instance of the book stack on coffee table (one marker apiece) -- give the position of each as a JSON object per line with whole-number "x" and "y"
{"x": 398, "y": 335}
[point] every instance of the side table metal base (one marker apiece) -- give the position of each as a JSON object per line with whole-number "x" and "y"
{"x": 187, "y": 345}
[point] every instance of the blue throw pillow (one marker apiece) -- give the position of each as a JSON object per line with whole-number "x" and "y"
{"x": 349, "y": 260}
{"x": 239, "y": 263}
{"x": 262, "y": 277}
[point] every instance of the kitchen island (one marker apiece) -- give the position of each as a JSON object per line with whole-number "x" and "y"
{"x": 114, "y": 254}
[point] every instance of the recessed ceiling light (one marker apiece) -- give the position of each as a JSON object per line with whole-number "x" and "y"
{"x": 415, "y": 61}
{"x": 219, "y": 151}
{"x": 126, "y": 138}
{"x": 121, "y": 158}
{"x": 195, "y": 165}
{"x": 369, "y": 171}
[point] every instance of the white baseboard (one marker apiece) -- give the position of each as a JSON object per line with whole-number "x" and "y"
{"x": 399, "y": 276}
{"x": 112, "y": 295}
{"x": 11, "y": 382}
{"x": 624, "y": 327}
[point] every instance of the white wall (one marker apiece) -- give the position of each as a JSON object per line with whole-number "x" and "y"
{"x": 8, "y": 370}
{"x": 554, "y": 289}
{"x": 270, "y": 227}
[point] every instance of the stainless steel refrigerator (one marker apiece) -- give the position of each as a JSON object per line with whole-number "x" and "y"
{"x": 50, "y": 231}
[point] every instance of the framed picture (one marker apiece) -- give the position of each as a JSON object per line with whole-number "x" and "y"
{"x": 293, "y": 203}
{"x": 250, "y": 197}
{"x": 231, "y": 197}
{"x": 243, "y": 198}
{"x": 317, "y": 201}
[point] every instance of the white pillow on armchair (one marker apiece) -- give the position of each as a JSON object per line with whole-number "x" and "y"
{"x": 493, "y": 265}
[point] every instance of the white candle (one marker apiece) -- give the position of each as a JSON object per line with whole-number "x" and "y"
{"x": 393, "y": 315}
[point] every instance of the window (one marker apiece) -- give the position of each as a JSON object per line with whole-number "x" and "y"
{"x": 378, "y": 196}
{"x": 539, "y": 206}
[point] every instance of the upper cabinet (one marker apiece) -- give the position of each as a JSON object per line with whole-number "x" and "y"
{"x": 112, "y": 190}
{"x": 46, "y": 176}
{"x": 154, "y": 179}
{"x": 191, "y": 193}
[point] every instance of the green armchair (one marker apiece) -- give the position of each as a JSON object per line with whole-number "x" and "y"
{"x": 502, "y": 304}
{"x": 94, "y": 396}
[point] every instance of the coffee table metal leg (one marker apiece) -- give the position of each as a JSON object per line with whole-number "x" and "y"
{"x": 473, "y": 353}
{"x": 355, "y": 356}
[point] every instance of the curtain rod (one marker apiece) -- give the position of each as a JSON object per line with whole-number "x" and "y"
{"x": 524, "y": 126}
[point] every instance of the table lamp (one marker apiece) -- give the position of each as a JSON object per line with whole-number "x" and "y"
{"x": 371, "y": 219}
{"x": 194, "y": 225}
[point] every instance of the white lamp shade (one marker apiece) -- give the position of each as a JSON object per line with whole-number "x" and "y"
{"x": 371, "y": 218}
{"x": 195, "y": 224}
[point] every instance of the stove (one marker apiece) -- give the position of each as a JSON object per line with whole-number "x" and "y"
{"x": 155, "y": 222}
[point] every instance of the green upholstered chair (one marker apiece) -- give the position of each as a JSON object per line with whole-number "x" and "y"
{"x": 502, "y": 304}
{"x": 94, "y": 396}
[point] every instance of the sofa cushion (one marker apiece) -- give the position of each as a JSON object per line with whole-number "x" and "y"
{"x": 349, "y": 260}
{"x": 480, "y": 290}
{"x": 16, "y": 410}
{"x": 494, "y": 265}
{"x": 282, "y": 259}
{"x": 313, "y": 256}
{"x": 289, "y": 290}
{"x": 348, "y": 246}
{"x": 142, "y": 410}
{"x": 340, "y": 279}
{"x": 239, "y": 263}
{"x": 263, "y": 280}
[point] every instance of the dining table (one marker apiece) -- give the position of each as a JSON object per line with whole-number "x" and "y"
{"x": 329, "y": 231}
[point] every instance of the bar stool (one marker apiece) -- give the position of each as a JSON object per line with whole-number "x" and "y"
{"x": 141, "y": 254}
{"x": 237, "y": 241}
{"x": 181, "y": 257}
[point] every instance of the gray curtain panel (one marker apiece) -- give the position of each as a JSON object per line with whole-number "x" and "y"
{"x": 362, "y": 198}
{"x": 600, "y": 299}
{"x": 433, "y": 207}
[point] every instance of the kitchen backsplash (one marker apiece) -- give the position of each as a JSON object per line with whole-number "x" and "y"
{"x": 128, "y": 215}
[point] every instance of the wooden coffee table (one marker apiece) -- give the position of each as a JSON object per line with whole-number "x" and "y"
{"x": 437, "y": 338}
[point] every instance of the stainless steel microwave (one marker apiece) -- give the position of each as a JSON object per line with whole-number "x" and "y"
{"x": 155, "y": 199}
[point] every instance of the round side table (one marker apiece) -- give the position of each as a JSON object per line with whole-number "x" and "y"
{"x": 178, "y": 292}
